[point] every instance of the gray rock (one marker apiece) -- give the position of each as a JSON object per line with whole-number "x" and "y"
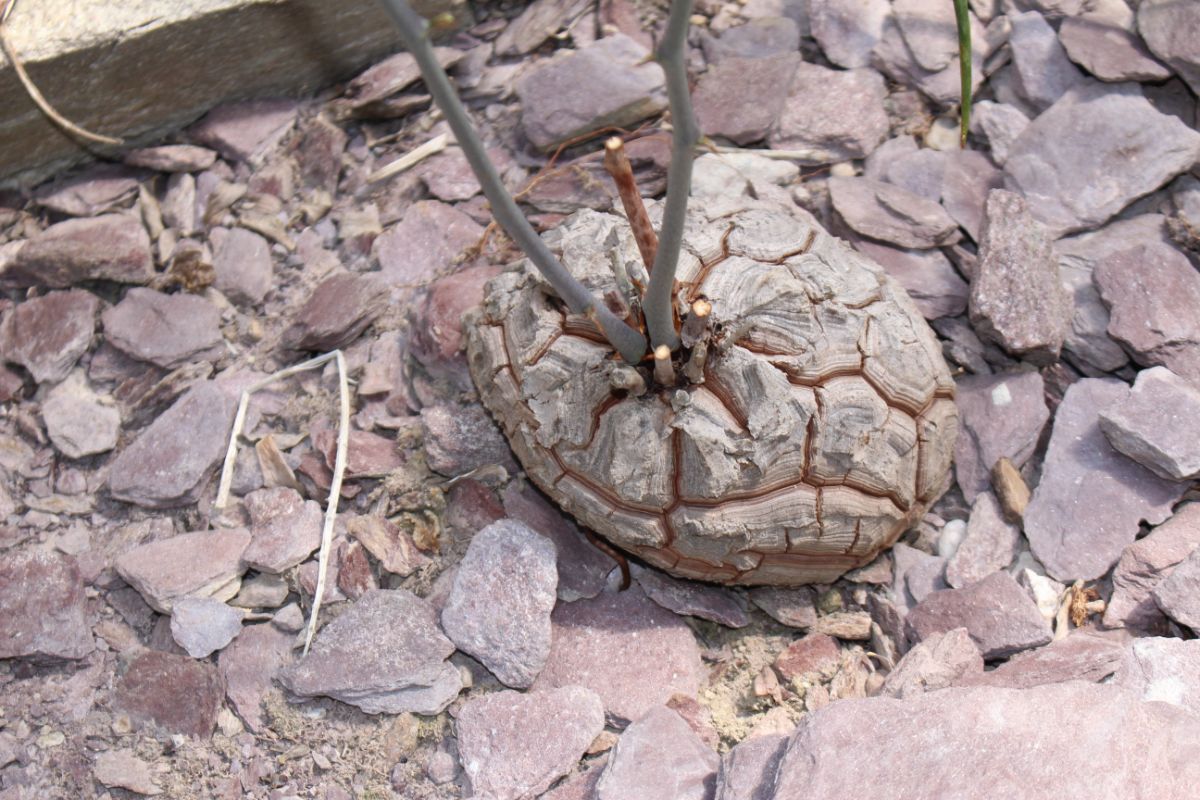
{"x": 167, "y": 330}
{"x": 112, "y": 247}
{"x": 831, "y": 115}
{"x": 1158, "y": 424}
{"x": 1162, "y": 670}
{"x": 168, "y": 464}
{"x": 692, "y": 598}
{"x": 929, "y": 30}
{"x": 424, "y": 244}
{"x": 366, "y": 95}
{"x": 982, "y": 741}
{"x": 1109, "y": 51}
{"x": 1145, "y": 564}
{"x": 999, "y": 615}
{"x": 1017, "y": 300}
{"x": 77, "y": 422}
{"x": 991, "y": 544}
{"x": 246, "y": 131}
{"x": 593, "y": 645}
{"x": 43, "y": 611}
{"x": 499, "y": 607}
{"x": 1151, "y": 290}
{"x": 459, "y": 439}
{"x": 761, "y": 37}
{"x": 534, "y": 25}
{"x": 285, "y": 529}
{"x": 893, "y": 55}
{"x": 1084, "y": 655}
{"x": 175, "y": 692}
{"x": 606, "y": 83}
{"x": 48, "y": 334}
{"x": 337, "y": 312}
{"x": 1001, "y": 124}
{"x": 741, "y": 99}
{"x": 918, "y": 171}
{"x": 1088, "y": 341}
{"x": 172, "y": 158}
{"x": 791, "y": 606}
{"x": 1178, "y": 595}
{"x": 201, "y": 625}
{"x": 582, "y": 568}
{"x": 96, "y": 190}
{"x": 1000, "y": 416}
{"x": 967, "y": 179}
{"x": 927, "y": 275}
{"x": 1088, "y": 505}
{"x": 515, "y": 745}
{"x": 242, "y": 262}
{"x": 1097, "y": 135}
{"x": 248, "y": 667}
{"x": 848, "y": 32}
{"x": 894, "y": 150}
{"x": 1169, "y": 30}
{"x": 941, "y": 660}
{"x": 262, "y": 591}
{"x": 926, "y": 575}
{"x": 891, "y": 214}
{"x": 123, "y": 770}
{"x": 1043, "y": 71}
{"x": 747, "y": 770}
{"x": 659, "y": 757}
{"x": 384, "y": 654}
{"x": 200, "y": 564}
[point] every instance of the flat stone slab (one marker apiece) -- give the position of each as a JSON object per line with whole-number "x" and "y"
{"x": 1158, "y": 424}
{"x": 848, "y": 33}
{"x": 1089, "y": 504}
{"x": 175, "y": 692}
{"x": 832, "y": 115}
{"x": 513, "y": 745}
{"x": 1179, "y": 593}
{"x": 424, "y": 243}
{"x": 249, "y": 665}
{"x": 982, "y": 741}
{"x": 165, "y": 329}
{"x": 747, "y": 771}
{"x": 991, "y": 544}
{"x": 77, "y": 422}
{"x": 1084, "y": 655}
{"x": 999, "y": 416}
{"x": 691, "y": 598}
{"x": 1145, "y": 564}
{"x": 941, "y": 660}
{"x": 1168, "y": 29}
{"x": 201, "y": 625}
{"x": 337, "y": 312}
{"x": 43, "y": 611}
{"x": 200, "y": 564}
{"x": 1163, "y": 670}
{"x": 659, "y": 757}
{"x": 499, "y": 607}
{"x": 740, "y": 99}
{"x": 891, "y": 214}
{"x": 285, "y": 529}
{"x": 48, "y": 334}
{"x": 999, "y": 615}
{"x": 624, "y": 647}
{"x": 111, "y": 247}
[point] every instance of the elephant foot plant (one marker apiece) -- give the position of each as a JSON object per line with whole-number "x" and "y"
{"x": 771, "y": 409}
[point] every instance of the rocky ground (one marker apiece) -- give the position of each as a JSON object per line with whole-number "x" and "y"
{"x": 472, "y": 642}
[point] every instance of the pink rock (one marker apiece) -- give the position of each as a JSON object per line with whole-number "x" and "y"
{"x": 97, "y": 190}
{"x": 499, "y": 608}
{"x": 424, "y": 243}
{"x": 48, "y": 334}
{"x": 318, "y": 149}
{"x": 354, "y": 576}
{"x": 43, "y": 611}
{"x": 248, "y": 666}
{"x": 659, "y": 758}
{"x": 1043, "y": 71}
{"x": 1000, "y": 617}
{"x": 988, "y": 742}
{"x": 337, "y": 312}
{"x": 891, "y": 214}
{"x": 392, "y": 547}
{"x": 1109, "y": 51}
{"x": 748, "y": 770}
{"x": 915, "y": 574}
{"x": 472, "y": 506}
{"x": 175, "y": 692}
{"x": 990, "y": 544}
{"x": 172, "y": 158}
{"x": 935, "y": 663}
{"x": 815, "y": 653}
{"x": 848, "y": 34}
{"x": 794, "y": 607}
{"x": 459, "y": 439}
{"x": 1091, "y": 499}
{"x": 368, "y": 455}
{"x": 692, "y": 598}
{"x": 439, "y": 336}
{"x": 832, "y": 115}
{"x": 1158, "y": 424}
{"x": 1162, "y": 670}
{"x": 582, "y": 568}
{"x": 1084, "y": 655}
{"x": 242, "y": 262}
{"x": 927, "y": 275}
{"x": 112, "y": 247}
{"x": 1178, "y": 595}
{"x": 246, "y": 131}
{"x": 515, "y": 745}
{"x": 967, "y": 179}
{"x": 201, "y": 625}
{"x": 740, "y": 99}
{"x": 165, "y": 329}
{"x": 204, "y": 563}
{"x": 1000, "y": 416}
{"x": 593, "y": 645}
{"x": 285, "y": 529}
{"x": 1145, "y": 564}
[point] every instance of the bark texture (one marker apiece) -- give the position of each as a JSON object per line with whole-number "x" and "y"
{"x": 823, "y": 428}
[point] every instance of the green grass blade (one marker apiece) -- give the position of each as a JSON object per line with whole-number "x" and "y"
{"x": 963, "y": 18}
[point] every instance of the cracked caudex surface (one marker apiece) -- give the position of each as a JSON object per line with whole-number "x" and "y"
{"x": 823, "y": 428}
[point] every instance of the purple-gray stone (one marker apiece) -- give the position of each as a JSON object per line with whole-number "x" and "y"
{"x": 929, "y": 30}
{"x": 967, "y": 179}
{"x": 1000, "y": 124}
{"x": 172, "y": 158}
{"x": 48, "y": 334}
{"x": 246, "y": 131}
{"x": 762, "y": 37}
{"x": 111, "y": 247}
{"x": 499, "y": 607}
{"x": 659, "y": 757}
{"x": 337, "y": 312}
{"x": 424, "y": 244}
{"x": 847, "y": 33}
{"x": 459, "y": 439}
{"x": 77, "y": 422}
{"x": 1172, "y": 31}
{"x": 927, "y": 275}
{"x": 1179, "y": 593}
{"x": 747, "y": 771}
{"x": 1158, "y": 424}
{"x": 167, "y": 330}
{"x": 201, "y": 625}
{"x": 248, "y": 666}
{"x": 1000, "y": 416}
{"x": 1090, "y": 501}
{"x": 741, "y": 99}
{"x": 794, "y": 606}
{"x": 1083, "y": 655}
{"x": 43, "y": 611}
{"x": 1000, "y": 616}
{"x": 1162, "y": 670}
{"x": 891, "y": 214}
{"x": 1145, "y": 564}
{"x": 692, "y": 598}
{"x": 832, "y": 115}
{"x": 285, "y": 529}
{"x": 175, "y": 692}
{"x": 991, "y": 544}
{"x": 514, "y": 745}
{"x": 1108, "y": 50}
{"x": 242, "y": 262}
{"x": 1043, "y": 71}
{"x": 935, "y": 663}
{"x": 199, "y": 564}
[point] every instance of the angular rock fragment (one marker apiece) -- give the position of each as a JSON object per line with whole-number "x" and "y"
{"x": 248, "y": 667}
{"x": 96, "y": 190}
{"x": 201, "y": 625}
{"x": 285, "y": 529}
{"x": 1162, "y": 670}
{"x": 246, "y": 131}
{"x": 760, "y": 37}
{"x": 77, "y": 422}
{"x": 1001, "y": 416}
{"x": 499, "y": 607}
{"x": 514, "y": 745}
{"x": 991, "y": 544}
{"x": 384, "y": 654}
{"x": 1017, "y": 299}
{"x": 997, "y": 613}
{"x": 927, "y": 275}
{"x": 847, "y": 33}
{"x": 1145, "y": 564}
{"x": 424, "y": 243}
{"x": 582, "y": 568}
{"x": 48, "y": 334}
{"x": 1000, "y": 124}
{"x": 741, "y": 99}
{"x": 606, "y": 83}
{"x": 391, "y": 546}
{"x": 593, "y": 645}
{"x": 167, "y": 465}
{"x": 967, "y": 179}
{"x": 1084, "y": 655}
{"x": 815, "y": 653}
{"x": 172, "y": 158}
{"x": 1097, "y": 135}
{"x": 747, "y": 771}
{"x": 200, "y": 564}
{"x": 832, "y": 116}
{"x": 1179, "y": 593}
{"x": 937, "y": 662}
{"x": 165, "y": 329}
{"x": 1169, "y": 29}
{"x": 337, "y": 312}
{"x": 112, "y": 247}
{"x": 1088, "y": 505}
{"x": 1158, "y": 424}
{"x": 1043, "y": 71}
{"x": 659, "y": 757}
{"x": 888, "y": 213}
{"x": 122, "y": 769}
{"x": 791, "y": 606}
{"x": 1108, "y": 50}
{"x": 692, "y": 598}
{"x": 242, "y": 262}
{"x": 43, "y": 611}
{"x": 175, "y": 692}
{"x": 459, "y": 439}
{"x": 929, "y": 30}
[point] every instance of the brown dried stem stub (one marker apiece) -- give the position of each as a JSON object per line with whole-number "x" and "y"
{"x": 695, "y": 326}
{"x": 618, "y": 166}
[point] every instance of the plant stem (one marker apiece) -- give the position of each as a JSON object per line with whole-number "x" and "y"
{"x": 414, "y": 34}
{"x": 672, "y": 54}
{"x": 963, "y": 18}
{"x": 616, "y": 163}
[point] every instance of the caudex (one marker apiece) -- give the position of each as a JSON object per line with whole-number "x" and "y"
{"x": 648, "y": 328}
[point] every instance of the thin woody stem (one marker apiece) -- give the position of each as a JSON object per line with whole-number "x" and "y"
{"x": 671, "y": 55}
{"x": 414, "y": 34}
{"x": 616, "y": 163}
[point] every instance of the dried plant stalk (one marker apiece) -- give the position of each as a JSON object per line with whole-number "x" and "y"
{"x": 616, "y": 162}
